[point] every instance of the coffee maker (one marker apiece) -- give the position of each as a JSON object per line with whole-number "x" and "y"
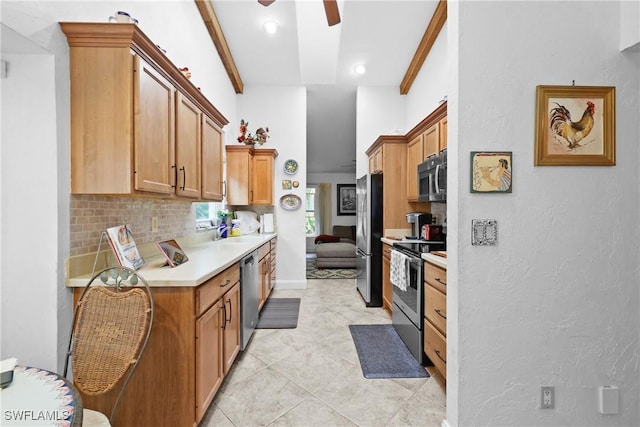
{"x": 417, "y": 220}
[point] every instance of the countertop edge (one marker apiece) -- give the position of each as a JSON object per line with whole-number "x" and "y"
{"x": 206, "y": 260}
{"x": 435, "y": 259}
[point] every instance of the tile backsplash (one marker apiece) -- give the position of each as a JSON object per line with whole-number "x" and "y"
{"x": 90, "y": 215}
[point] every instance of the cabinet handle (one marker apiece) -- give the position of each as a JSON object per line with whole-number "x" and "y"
{"x": 224, "y": 188}
{"x": 437, "y": 310}
{"x": 226, "y": 283}
{"x": 175, "y": 175}
{"x": 251, "y": 197}
{"x": 440, "y": 357}
{"x": 184, "y": 177}
{"x": 224, "y": 313}
{"x": 440, "y": 281}
{"x": 230, "y": 311}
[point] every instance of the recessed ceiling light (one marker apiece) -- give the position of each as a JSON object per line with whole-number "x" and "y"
{"x": 271, "y": 27}
{"x": 360, "y": 69}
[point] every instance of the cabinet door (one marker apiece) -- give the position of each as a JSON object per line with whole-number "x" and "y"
{"x": 209, "y": 364}
{"x": 265, "y": 278}
{"x": 431, "y": 138}
{"x": 154, "y": 135}
{"x": 238, "y": 176}
{"x": 272, "y": 268}
{"x": 386, "y": 279}
{"x": 443, "y": 133}
{"x": 262, "y": 179}
{"x": 231, "y": 345}
{"x": 211, "y": 160}
{"x": 187, "y": 148}
{"x": 414, "y": 158}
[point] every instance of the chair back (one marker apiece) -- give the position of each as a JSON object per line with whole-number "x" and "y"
{"x": 111, "y": 327}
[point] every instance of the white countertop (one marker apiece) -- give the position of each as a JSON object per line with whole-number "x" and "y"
{"x": 205, "y": 261}
{"x": 435, "y": 259}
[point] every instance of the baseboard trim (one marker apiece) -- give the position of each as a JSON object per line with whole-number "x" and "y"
{"x": 290, "y": 284}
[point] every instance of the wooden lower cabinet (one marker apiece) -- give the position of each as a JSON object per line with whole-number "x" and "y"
{"x": 190, "y": 348}
{"x": 272, "y": 254}
{"x": 387, "y": 291}
{"x": 435, "y": 316}
{"x": 264, "y": 265}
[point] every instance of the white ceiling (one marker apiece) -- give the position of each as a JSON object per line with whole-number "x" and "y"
{"x": 381, "y": 34}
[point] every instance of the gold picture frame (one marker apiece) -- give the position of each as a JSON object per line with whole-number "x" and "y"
{"x": 575, "y": 126}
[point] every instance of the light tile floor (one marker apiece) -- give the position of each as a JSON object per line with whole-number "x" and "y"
{"x": 311, "y": 376}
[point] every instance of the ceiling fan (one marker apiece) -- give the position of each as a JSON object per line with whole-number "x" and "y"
{"x": 330, "y": 9}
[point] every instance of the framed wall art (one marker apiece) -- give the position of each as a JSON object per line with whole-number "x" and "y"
{"x": 346, "y": 199}
{"x": 491, "y": 171}
{"x": 575, "y": 125}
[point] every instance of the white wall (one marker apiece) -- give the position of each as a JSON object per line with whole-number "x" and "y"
{"x": 380, "y": 110}
{"x": 287, "y": 129}
{"x": 431, "y": 84}
{"x": 36, "y": 306}
{"x": 556, "y": 301}
{"x": 30, "y": 261}
{"x": 629, "y": 24}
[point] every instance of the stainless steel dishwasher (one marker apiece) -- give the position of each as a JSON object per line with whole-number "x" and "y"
{"x": 249, "y": 296}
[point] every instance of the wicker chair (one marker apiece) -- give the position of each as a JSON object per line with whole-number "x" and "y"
{"x": 111, "y": 326}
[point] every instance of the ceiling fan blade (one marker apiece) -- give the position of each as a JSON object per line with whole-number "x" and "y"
{"x": 331, "y": 9}
{"x": 265, "y": 3}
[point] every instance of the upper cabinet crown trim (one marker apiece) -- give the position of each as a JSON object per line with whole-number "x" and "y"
{"x": 92, "y": 34}
{"x": 435, "y": 116}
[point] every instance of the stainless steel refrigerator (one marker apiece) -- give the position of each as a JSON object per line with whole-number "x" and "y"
{"x": 368, "y": 243}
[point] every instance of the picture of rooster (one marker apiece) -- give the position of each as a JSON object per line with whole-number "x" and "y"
{"x": 566, "y": 131}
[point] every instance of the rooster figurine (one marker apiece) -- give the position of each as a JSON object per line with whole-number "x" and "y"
{"x": 566, "y": 130}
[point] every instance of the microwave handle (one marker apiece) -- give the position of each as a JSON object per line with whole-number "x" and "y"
{"x": 438, "y": 179}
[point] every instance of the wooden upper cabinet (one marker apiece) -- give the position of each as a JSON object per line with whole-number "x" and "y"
{"x": 443, "y": 133}
{"x": 415, "y": 156}
{"x": 135, "y": 118}
{"x": 376, "y": 161}
{"x": 238, "y": 174}
{"x": 262, "y": 177}
{"x": 431, "y": 142}
{"x": 250, "y": 175}
{"x": 188, "y": 130}
{"x": 211, "y": 160}
{"x": 426, "y": 139}
{"x": 154, "y": 144}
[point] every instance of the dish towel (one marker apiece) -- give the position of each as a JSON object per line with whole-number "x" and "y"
{"x": 398, "y": 270}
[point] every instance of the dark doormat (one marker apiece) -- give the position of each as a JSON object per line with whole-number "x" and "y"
{"x": 279, "y": 313}
{"x": 383, "y": 354}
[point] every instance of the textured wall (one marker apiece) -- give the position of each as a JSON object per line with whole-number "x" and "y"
{"x": 556, "y": 301}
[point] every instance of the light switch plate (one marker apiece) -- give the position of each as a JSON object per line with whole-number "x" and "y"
{"x": 484, "y": 232}
{"x": 608, "y": 400}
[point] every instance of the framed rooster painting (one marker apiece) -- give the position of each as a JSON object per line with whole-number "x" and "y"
{"x": 575, "y": 126}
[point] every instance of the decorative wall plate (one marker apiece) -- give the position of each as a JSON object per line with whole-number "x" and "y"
{"x": 290, "y": 202}
{"x": 291, "y": 167}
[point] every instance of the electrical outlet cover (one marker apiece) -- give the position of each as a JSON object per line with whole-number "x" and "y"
{"x": 547, "y": 397}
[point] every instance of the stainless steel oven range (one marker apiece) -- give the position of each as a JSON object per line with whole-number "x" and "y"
{"x": 408, "y": 305}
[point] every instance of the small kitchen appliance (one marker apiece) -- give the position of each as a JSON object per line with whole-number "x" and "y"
{"x": 417, "y": 220}
{"x": 432, "y": 178}
{"x": 431, "y": 232}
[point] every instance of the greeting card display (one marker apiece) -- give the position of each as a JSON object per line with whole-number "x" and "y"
{"x": 124, "y": 247}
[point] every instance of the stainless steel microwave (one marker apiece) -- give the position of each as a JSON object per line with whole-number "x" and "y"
{"x": 432, "y": 178}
